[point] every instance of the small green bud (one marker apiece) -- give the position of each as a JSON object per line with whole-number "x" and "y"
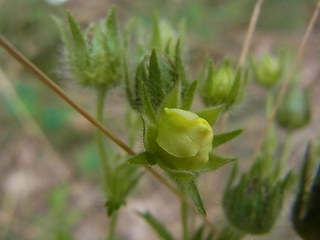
{"x": 253, "y": 205}
{"x": 222, "y": 85}
{"x": 306, "y": 208}
{"x": 267, "y": 71}
{"x": 219, "y": 84}
{"x": 94, "y": 57}
{"x": 184, "y": 139}
{"x": 294, "y": 111}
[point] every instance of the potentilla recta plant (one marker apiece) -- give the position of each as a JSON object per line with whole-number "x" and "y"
{"x": 179, "y": 141}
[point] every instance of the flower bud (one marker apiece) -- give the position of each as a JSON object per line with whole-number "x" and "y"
{"x": 253, "y": 205}
{"x": 306, "y": 208}
{"x": 294, "y": 111}
{"x": 219, "y": 84}
{"x": 184, "y": 139}
{"x": 267, "y": 71}
{"x": 94, "y": 57}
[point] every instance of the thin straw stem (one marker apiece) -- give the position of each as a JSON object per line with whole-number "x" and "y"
{"x": 251, "y": 28}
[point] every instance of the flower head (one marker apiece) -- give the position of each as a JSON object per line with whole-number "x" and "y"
{"x": 184, "y": 139}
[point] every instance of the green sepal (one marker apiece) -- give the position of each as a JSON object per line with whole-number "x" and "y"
{"x": 64, "y": 35}
{"x": 234, "y": 93}
{"x": 129, "y": 93}
{"x": 156, "y": 35}
{"x": 198, "y": 235}
{"x": 149, "y": 137}
{"x": 80, "y": 51}
{"x": 182, "y": 76}
{"x": 112, "y": 29}
{"x": 143, "y": 159}
{"x": 177, "y": 175}
{"x": 215, "y": 161}
{"x": 159, "y": 228}
{"x": 172, "y": 100}
{"x": 191, "y": 190}
{"x": 222, "y": 138}
{"x": 154, "y": 81}
{"x": 210, "y": 114}
{"x": 189, "y": 95}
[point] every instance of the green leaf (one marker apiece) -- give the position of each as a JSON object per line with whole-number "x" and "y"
{"x": 159, "y": 228}
{"x": 189, "y": 95}
{"x": 210, "y": 114}
{"x": 80, "y": 51}
{"x": 225, "y": 137}
{"x": 141, "y": 159}
{"x": 154, "y": 83}
{"x": 199, "y": 233}
{"x": 215, "y": 161}
{"x": 192, "y": 191}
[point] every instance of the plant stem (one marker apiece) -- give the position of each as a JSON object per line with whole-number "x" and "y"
{"x": 285, "y": 153}
{"x": 113, "y": 225}
{"x": 101, "y": 93}
{"x": 184, "y": 220}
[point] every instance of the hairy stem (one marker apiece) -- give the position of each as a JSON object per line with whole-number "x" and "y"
{"x": 101, "y": 93}
{"x": 184, "y": 220}
{"x": 113, "y": 225}
{"x": 287, "y": 147}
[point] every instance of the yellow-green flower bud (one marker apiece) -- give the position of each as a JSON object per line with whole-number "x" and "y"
{"x": 184, "y": 139}
{"x": 268, "y": 71}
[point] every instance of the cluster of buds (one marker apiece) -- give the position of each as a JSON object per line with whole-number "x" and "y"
{"x": 223, "y": 85}
{"x": 176, "y": 139}
{"x": 94, "y": 58}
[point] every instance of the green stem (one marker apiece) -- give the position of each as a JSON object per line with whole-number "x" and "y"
{"x": 184, "y": 220}
{"x": 99, "y": 136}
{"x": 285, "y": 153}
{"x": 269, "y": 103}
{"x": 112, "y": 225}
